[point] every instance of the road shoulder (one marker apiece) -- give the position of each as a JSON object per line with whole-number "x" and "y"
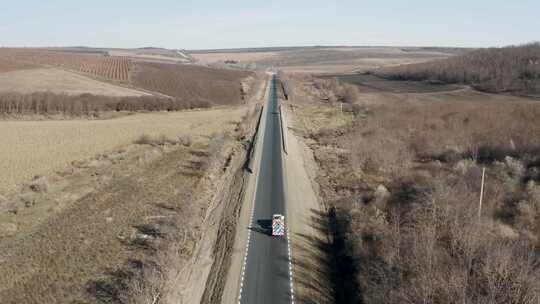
{"x": 306, "y": 221}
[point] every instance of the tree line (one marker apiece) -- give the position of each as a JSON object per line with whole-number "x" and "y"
{"x": 88, "y": 104}
{"x": 508, "y": 69}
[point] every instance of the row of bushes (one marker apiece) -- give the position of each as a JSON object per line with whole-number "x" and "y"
{"x": 509, "y": 69}
{"x": 88, "y": 104}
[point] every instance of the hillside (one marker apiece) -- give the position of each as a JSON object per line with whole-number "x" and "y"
{"x": 324, "y": 60}
{"x": 510, "y": 69}
{"x": 79, "y": 80}
{"x": 59, "y": 81}
{"x": 218, "y": 86}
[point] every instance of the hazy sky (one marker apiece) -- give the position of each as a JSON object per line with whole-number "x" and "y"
{"x": 242, "y": 23}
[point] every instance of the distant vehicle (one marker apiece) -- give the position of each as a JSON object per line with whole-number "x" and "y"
{"x": 278, "y": 225}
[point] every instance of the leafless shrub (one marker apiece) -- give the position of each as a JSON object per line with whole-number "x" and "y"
{"x": 185, "y": 141}
{"x": 349, "y": 93}
{"x": 426, "y": 243}
{"x": 144, "y": 139}
{"x": 336, "y": 91}
{"x": 428, "y": 246}
{"x": 160, "y": 140}
{"x": 39, "y": 184}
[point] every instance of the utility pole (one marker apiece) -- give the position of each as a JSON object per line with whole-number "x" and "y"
{"x": 481, "y": 193}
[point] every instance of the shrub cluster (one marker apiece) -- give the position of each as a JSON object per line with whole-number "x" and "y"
{"x": 402, "y": 186}
{"x": 337, "y": 91}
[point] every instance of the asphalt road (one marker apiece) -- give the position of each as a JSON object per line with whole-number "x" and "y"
{"x": 266, "y": 278}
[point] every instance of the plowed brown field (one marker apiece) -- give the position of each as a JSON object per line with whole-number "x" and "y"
{"x": 111, "y": 68}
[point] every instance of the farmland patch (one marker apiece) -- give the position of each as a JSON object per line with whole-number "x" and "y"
{"x": 59, "y": 81}
{"x": 42, "y": 147}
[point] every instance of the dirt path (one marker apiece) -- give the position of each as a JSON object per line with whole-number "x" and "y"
{"x": 306, "y": 221}
{"x": 219, "y": 219}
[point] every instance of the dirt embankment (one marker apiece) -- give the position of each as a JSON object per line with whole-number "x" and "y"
{"x": 307, "y": 226}
{"x": 224, "y": 235}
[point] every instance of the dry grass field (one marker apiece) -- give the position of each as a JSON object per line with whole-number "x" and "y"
{"x": 219, "y": 86}
{"x": 42, "y": 147}
{"x": 236, "y": 56}
{"x": 8, "y": 64}
{"x": 122, "y": 226}
{"x": 400, "y": 172}
{"x": 59, "y": 81}
{"x": 349, "y": 66}
{"x": 152, "y": 54}
{"x": 325, "y": 60}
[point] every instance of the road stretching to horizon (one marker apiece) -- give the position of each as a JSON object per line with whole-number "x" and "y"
{"x": 266, "y": 278}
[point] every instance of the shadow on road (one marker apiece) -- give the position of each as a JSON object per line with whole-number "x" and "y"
{"x": 263, "y": 226}
{"x": 324, "y": 273}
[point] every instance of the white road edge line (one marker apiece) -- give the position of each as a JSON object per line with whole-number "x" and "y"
{"x": 252, "y": 211}
{"x": 290, "y": 264}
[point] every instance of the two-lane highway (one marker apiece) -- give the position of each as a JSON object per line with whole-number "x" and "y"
{"x": 266, "y": 274}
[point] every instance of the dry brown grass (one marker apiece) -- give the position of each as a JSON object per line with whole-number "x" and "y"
{"x": 236, "y": 56}
{"x": 41, "y": 147}
{"x": 122, "y": 227}
{"x": 59, "y": 81}
{"x": 340, "y": 60}
{"x": 8, "y": 65}
{"x": 219, "y": 86}
{"x": 150, "y": 54}
{"x": 120, "y": 242}
{"x": 326, "y": 60}
{"x": 422, "y": 241}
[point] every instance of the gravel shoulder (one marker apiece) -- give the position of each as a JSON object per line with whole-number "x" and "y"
{"x": 305, "y": 220}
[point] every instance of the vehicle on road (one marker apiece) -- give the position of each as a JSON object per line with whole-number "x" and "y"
{"x": 278, "y": 225}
